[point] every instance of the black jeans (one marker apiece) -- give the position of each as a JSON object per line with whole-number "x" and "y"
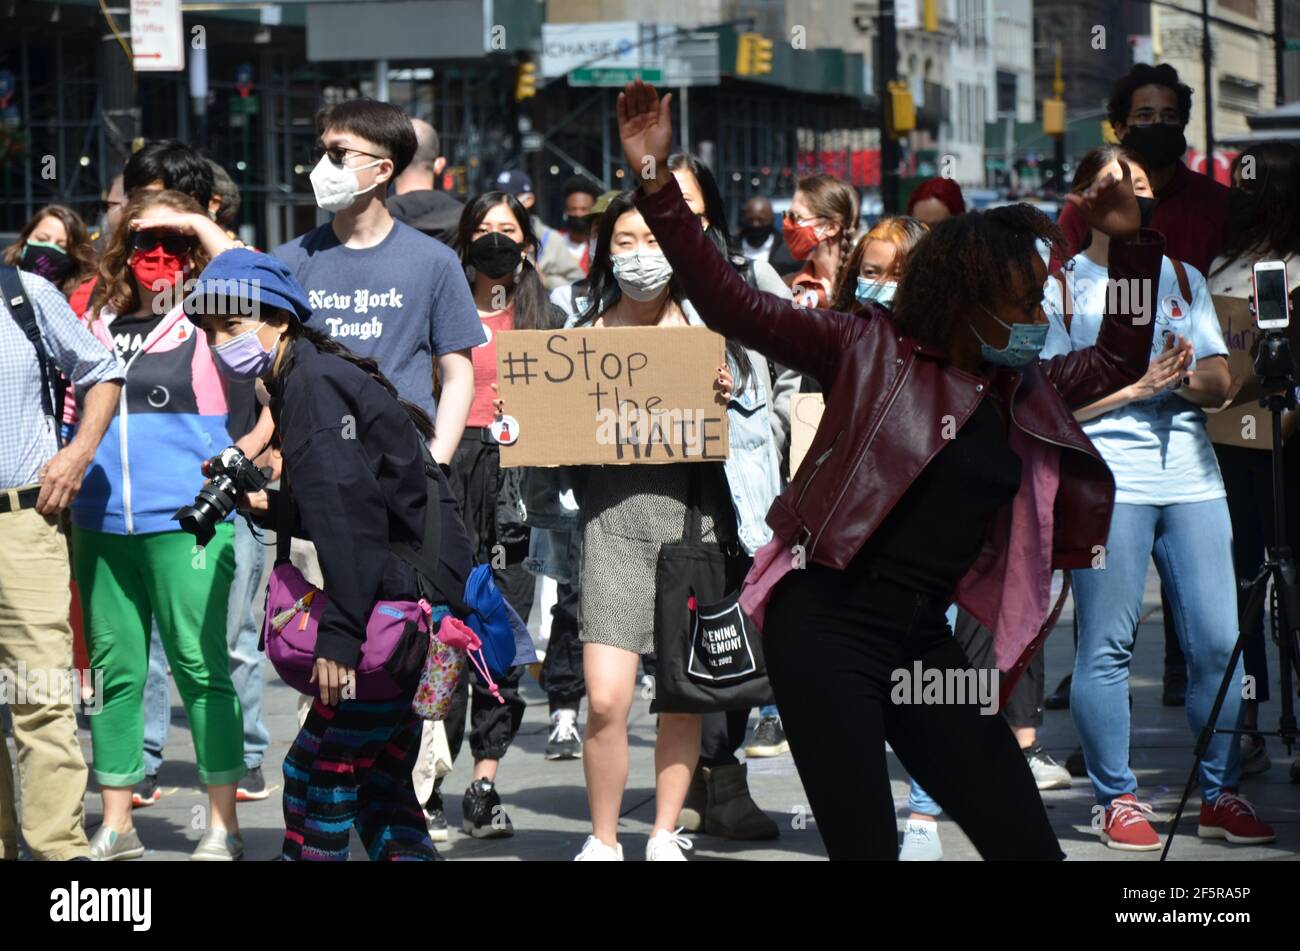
{"x": 1024, "y": 708}
{"x": 562, "y": 677}
{"x": 833, "y": 644}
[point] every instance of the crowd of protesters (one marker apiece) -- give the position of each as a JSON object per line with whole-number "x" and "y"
{"x": 358, "y": 374}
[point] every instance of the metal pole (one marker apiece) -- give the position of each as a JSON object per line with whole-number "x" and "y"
{"x": 1207, "y": 81}
{"x": 1279, "y": 52}
{"x": 891, "y": 153}
{"x": 605, "y": 170}
{"x": 381, "y": 80}
{"x": 685, "y": 94}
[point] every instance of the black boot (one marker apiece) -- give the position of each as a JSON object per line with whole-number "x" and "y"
{"x": 732, "y": 812}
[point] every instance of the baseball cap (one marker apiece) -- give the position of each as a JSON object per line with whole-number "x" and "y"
{"x": 515, "y": 182}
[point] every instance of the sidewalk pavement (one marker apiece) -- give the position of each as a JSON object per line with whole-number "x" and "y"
{"x": 547, "y": 803}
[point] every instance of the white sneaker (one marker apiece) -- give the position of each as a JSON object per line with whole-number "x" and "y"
{"x": 1048, "y": 773}
{"x": 594, "y": 850}
{"x": 665, "y": 846}
{"x": 920, "y": 842}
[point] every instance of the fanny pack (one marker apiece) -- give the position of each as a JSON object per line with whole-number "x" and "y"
{"x": 397, "y": 636}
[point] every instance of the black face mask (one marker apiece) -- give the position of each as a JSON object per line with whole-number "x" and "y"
{"x": 755, "y": 233}
{"x": 1146, "y": 208}
{"x": 495, "y": 255}
{"x": 50, "y": 263}
{"x": 1159, "y": 145}
{"x": 577, "y": 226}
{"x": 1243, "y": 211}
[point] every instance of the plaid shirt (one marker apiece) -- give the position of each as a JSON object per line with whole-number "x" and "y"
{"x": 27, "y": 435}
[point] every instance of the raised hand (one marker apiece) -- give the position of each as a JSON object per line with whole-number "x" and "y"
{"x": 1110, "y": 206}
{"x": 646, "y": 128}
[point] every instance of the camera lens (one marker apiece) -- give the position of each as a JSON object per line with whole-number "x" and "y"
{"x": 214, "y": 502}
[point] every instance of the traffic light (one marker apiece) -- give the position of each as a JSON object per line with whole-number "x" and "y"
{"x": 526, "y": 82}
{"x": 1054, "y": 116}
{"x": 753, "y": 54}
{"x": 901, "y": 116}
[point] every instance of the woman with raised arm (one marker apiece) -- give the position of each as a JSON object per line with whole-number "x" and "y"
{"x": 947, "y": 467}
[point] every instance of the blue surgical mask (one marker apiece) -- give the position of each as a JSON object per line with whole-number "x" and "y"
{"x": 877, "y": 292}
{"x": 1024, "y": 343}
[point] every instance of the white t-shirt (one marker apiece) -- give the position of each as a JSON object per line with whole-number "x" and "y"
{"x": 1157, "y": 448}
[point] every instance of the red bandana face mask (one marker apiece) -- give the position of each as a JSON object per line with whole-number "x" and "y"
{"x": 156, "y": 270}
{"x": 802, "y": 240}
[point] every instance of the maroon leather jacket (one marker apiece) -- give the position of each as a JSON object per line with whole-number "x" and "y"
{"x": 887, "y": 396}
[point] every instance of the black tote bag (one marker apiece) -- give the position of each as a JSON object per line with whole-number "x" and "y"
{"x": 709, "y": 652}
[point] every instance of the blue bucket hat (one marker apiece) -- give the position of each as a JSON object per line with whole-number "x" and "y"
{"x": 250, "y": 278}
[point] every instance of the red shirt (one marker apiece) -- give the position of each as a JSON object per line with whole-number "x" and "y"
{"x": 1192, "y": 214}
{"x": 484, "y": 357}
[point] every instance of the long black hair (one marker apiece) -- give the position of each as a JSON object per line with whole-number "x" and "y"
{"x": 715, "y": 209}
{"x": 528, "y": 294}
{"x": 1273, "y": 192}
{"x": 327, "y": 344}
{"x": 965, "y": 261}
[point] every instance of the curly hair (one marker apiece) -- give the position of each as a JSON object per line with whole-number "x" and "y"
{"x": 80, "y": 249}
{"x": 969, "y": 260}
{"x": 1121, "y": 97}
{"x": 900, "y": 231}
{"x": 116, "y": 289}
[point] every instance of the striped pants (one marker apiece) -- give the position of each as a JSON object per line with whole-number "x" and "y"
{"x": 349, "y": 766}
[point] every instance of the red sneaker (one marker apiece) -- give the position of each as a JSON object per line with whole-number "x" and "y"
{"x": 1126, "y": 826}
{"x": 1234, "y": 819}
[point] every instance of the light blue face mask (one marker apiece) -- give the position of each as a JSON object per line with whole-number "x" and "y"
{"x": 878, "y": 292}
{"x": 1024, "y": 343}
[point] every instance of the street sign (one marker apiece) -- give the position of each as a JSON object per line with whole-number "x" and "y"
{"x": 614, "y": 77}
{"x": 157, "y": 36}
{"x": 570, "y": 46}
{"x": 244, "y": 106}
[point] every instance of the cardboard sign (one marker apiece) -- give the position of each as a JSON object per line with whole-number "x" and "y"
{"x": 805, "y": 416}
{"x": 612, "y": 396}
{"x": 1237, "y": 426}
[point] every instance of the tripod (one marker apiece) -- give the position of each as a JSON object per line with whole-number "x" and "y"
{"x": 1274, "y": 359}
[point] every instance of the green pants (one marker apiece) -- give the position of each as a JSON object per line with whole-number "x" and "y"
{"x": 126, "y": 581}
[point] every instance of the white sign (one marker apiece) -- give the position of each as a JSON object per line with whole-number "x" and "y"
{"x": 1143, "y": 49}
{"x": 568, "y": 46}
{"x": 157, "y": 36}
{"x": 907, "y": 15}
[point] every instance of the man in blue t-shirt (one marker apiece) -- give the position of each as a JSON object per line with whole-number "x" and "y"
{"x": 377, "y": 286}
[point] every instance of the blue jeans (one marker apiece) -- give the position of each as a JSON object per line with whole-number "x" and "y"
{"x": 1192, "y": 546}
{"x": 918, "y": 800}
{"x": 242, "y": 633}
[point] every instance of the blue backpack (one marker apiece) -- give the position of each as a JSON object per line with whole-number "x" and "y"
{"x": 505, "y": 637}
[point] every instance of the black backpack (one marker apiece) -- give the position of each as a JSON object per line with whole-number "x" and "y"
{"x": 53, "y": 385}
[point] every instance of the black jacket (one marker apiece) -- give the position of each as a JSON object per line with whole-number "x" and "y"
{"x": 435, "y": 213}
{"x": 353, "y": 466}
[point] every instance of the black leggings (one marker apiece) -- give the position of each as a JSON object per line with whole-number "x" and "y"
{"x": 831, "y": 650}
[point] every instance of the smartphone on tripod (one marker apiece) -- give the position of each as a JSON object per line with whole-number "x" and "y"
{"x": 1272, "y": 303}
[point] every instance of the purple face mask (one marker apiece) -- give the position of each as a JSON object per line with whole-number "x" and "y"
{"x": 242, "y": 357}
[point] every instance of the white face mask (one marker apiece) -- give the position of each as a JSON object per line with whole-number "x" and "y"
{"x": 641, "y": 275}
{"x": 335, "y": 187}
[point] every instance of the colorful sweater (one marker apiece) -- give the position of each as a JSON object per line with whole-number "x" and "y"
{"x": 170, "y": 418}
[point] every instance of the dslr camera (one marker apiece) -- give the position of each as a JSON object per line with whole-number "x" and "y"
{"x": 230, "y": 475}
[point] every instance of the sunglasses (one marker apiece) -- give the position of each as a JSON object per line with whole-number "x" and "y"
{"x": 338, "y": 155}
{"x": 176, "y": 244}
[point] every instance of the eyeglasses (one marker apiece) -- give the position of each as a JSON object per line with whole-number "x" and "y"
{"x": 790, "y": 216}
{"x": 1150, "y": 117}
{"x": 171, "y": 242}
{"x": 338, "y": 155}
